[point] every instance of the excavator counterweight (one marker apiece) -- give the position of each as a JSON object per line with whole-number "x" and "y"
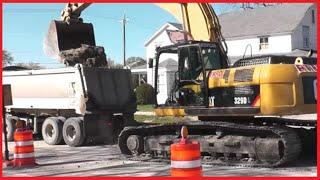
{"x": 62, "y": 36}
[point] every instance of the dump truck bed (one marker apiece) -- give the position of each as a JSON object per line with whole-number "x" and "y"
{"x": 78, "y": 89}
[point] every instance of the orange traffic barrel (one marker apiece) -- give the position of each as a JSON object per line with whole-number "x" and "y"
{"x": 23, "y": 149}
{"x": 185, "y": 157}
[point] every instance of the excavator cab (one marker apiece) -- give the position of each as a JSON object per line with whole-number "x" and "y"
{"x": 195, "y": 60}
{"x": 63, "y": 36}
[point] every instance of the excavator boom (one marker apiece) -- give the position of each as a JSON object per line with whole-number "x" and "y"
{"x": 198, "y": 19}
{"x": 72, "y": 11}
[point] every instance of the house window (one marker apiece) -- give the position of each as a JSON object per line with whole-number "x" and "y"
{"x": 264, "y": 44}
{"x": 305, "y": 36}
{"x": 313, "y": 17}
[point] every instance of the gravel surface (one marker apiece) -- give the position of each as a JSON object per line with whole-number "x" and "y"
{"x": 105, "y": 160}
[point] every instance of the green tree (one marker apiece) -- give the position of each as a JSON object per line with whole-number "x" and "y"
{"x": 145, "y": 94}
{"x": 256, "y": 5}
{"x": 7, "y": 58}
{"x": 113, "y": 65}
{"x": 229, "y": 7}
{"x": 135, "y": 61}
{"x": 30, "y": 65}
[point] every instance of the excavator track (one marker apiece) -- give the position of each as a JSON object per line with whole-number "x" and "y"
{"x": 138, "y": 143}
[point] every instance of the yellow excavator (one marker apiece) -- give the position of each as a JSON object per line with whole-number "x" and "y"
{"x": 240, "y": 108}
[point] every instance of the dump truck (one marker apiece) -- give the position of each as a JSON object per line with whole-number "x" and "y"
{"x": 84, "y": 102}
{"x": 74, "y": 105}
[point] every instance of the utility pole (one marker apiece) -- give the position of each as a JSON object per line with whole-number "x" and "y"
{"x": 124, "y": 22}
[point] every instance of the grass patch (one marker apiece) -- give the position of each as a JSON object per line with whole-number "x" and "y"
{"x": 157, "y": 120}
{"x": 146, "y": 108}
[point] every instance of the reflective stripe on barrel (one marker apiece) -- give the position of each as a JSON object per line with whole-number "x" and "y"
{"x": 23, "y": 143}
{"x": 186, "y": 159}
{"x": 23, "y": 155}
{"x": 186, "y": 164}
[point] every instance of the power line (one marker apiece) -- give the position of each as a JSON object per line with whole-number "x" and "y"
{"x": 104, "y": 17}
{"x": 31, "y": 12}
{"x": 38, "y": 63}
{"x": 30, "y": 9}
{"x": 39, "y": 11}
{"x": 22, "y": 52}
{"x": 131, "y": 22}
{"x": 142, "y": 25}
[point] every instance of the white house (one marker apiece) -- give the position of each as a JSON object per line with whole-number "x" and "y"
{"x": 283, "y": 29}
{"x": 270, "y": 30}
{"x": 167, "y": 63}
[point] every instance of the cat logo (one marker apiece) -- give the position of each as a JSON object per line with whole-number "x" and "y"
{"x": 216, "y": 74}
{"x": 306, "y": 68}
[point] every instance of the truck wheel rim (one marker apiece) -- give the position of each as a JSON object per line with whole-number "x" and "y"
{"x": 71, "y": 132}
{"x": 49, "y": 130}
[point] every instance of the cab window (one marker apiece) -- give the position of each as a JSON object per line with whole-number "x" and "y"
{"x": 189, "y": 63}
{"x": 211, "y": 58}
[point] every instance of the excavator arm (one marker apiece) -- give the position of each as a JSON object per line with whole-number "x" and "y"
{"x": 198, "y": 19}
{"x": 72, "y": 12}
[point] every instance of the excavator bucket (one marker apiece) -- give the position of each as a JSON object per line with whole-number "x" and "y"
{"x": 62, "y": 36}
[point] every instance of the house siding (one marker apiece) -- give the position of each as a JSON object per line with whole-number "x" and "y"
{"x": 277, "y": 44}
{"x": 297, "y": 37}
{"x": 161, "y": 40}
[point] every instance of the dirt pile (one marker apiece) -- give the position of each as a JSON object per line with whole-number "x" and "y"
{"x": 91, "y": 56}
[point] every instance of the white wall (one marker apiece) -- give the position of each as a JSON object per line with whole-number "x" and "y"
{"x": 162, "y": 86}
{"x": 163, "y": 40}
{"x": 277, "y": 44}
{"x": 297, "y": 38}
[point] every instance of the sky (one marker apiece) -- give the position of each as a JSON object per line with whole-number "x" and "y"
{"x": 25, "y": 26}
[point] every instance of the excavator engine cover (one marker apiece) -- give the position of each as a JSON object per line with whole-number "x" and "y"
{"x": 62, "y": 36}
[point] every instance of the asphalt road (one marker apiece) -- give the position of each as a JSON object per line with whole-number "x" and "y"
{"x": 105, "y": 160}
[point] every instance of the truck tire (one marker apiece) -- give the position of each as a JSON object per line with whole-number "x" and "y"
{"x": 62, "y": 119}
{"x": 11, "y": 126}
{"x": 52, "y": 131}
{"x": 72, "y": 132}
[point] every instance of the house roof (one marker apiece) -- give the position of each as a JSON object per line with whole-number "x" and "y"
{"x": 176, "y": 25}
{"x": 168, "y": 63}
{"x": 163, "y": 28}
{"x": 272, "y": 20}
{"x": 144, "y": 66}
{"x": 280, "y": 19}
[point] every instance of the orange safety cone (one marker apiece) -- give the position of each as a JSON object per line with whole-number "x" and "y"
{"x": 185, "y": 157}
{"x": 23, "y": 149}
